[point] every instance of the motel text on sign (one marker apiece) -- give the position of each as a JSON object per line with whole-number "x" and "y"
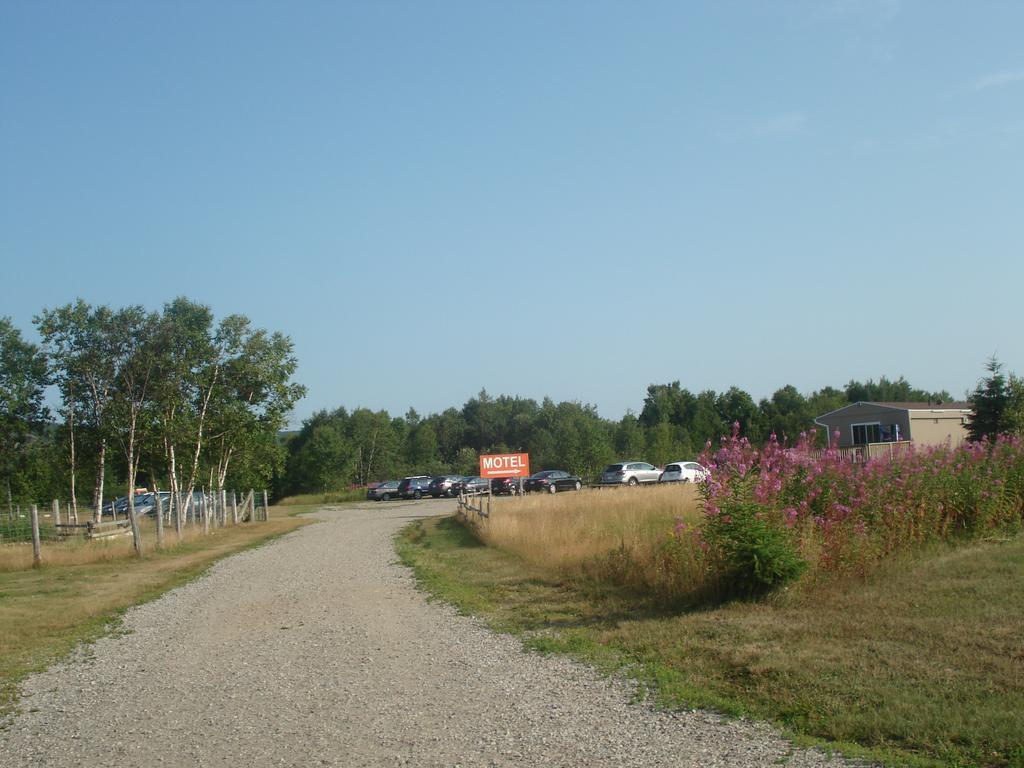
{"x": 505, "y": 465}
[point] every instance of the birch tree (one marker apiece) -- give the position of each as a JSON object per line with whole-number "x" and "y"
{"x": 257, "y": 393}
{"x": 184, "y": 351}
{"x": 225, "y": 342}
{"x": 133, "y": 335}
{"x": 82, "y": 350}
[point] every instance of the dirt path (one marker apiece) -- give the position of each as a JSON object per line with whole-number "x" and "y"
{"x": 318, "y": 650}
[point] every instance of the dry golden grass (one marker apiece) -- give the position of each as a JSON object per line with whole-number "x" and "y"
{"x": 578, "y": 532}
{"x": 81, "y": 551}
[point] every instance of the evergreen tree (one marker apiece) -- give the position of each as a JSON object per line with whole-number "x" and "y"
{"x": 998, "y": 403}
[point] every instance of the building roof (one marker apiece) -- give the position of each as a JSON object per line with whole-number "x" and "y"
{"x": 948, "y": 406}
{"x": 952, "y": 405}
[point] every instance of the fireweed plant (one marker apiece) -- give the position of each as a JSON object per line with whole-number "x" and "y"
{"x": 770, "y": 514}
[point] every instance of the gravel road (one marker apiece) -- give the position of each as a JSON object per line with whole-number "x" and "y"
{"x": 317, "y": 649}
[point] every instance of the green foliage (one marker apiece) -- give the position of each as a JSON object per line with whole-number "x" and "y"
{"x": 36, "y": 473}
{"x": 885, "y": 391}
{"x": 467, "y": 462}
{"x": 737, "y": 407}
{"x": 998, "y": 403}
{"x": 423, "y": 450}
{"x": 787, "y": 414}
{"x": 23, "y": 379}
{"x": 674, "y": 424}
{"x": 174, "y": 393}
{"x": 172, "y": 384}
{"x": 630, "y": 441}
{"x": 752, "y": 554}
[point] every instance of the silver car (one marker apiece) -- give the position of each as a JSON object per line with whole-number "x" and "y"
{"x": 629, "y": 473}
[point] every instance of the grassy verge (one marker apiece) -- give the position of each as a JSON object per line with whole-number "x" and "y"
{"x": 330, "y": 497}
{"x": 46, "y": 612}
{"x": 920, "y": 664}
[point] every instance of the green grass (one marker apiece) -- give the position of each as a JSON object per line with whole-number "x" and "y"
{"x": 20, "y": 529}
{"x": 921, "y": 664}
{"x": 328, "y": 497}
{"x": 46, "y": 612}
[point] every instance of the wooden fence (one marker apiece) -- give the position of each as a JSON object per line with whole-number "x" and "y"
{"x": 858, "y": 454}
{"x": 468, "y": 509}
{"x": 93, "y": 529}
{"x": 212, "y": 509}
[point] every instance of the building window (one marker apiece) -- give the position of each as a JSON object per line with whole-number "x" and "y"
{"x": 876, "y": 433}
{"x": 867, "y": 433}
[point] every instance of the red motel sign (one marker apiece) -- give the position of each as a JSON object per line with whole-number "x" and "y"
{"x": 505, "y": 465}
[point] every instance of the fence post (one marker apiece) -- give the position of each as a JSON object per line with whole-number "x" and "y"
{"x": 266, "y": 507}
{"x": 37, "y": 550}
{"x": 159, "y": 521}
{"x": 56, "y": 512}
{"x": 234, "y": 508}
{"x": 173, "y": 512}
{"x": 206, "y": 513}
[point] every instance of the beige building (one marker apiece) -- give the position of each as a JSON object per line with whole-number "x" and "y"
{"x": 922, "y": 423}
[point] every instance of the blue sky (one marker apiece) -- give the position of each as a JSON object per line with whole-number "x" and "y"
{"x": 573, "y": 199}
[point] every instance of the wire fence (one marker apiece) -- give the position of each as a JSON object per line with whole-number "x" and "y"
{"x": 56, "y": 522}
{"x": 20, "y": 529}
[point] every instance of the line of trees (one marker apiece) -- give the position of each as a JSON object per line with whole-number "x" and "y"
{"x": 173, "y": 400}
{"x": 165, "y": 399}
{"x": 336, "y": 449}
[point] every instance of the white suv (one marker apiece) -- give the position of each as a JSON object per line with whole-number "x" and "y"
{"x": 629, "y": 473}
{"x": 683, "y": 472}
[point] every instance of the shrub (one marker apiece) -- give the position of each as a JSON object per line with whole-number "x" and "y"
{"x": 752, "y": 553}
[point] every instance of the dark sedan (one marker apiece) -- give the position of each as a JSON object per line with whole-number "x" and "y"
{"x": 505, "y": 486}
{"x": 552, "y": 481}
{"x": 383, "y": 491}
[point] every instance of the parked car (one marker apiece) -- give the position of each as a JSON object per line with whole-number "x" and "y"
{"x": 683, "y": 472}
{"x": 629, "y": 473}
{"x": 413, "y": 487}
{"x": 505, "y": 486}
{"x": 552, "y": 481}
{"x": 473, "y": 485}
{"x": 383, "y": 491}
{"x": 443, "y": 485}
{"x": 145, "y": 503}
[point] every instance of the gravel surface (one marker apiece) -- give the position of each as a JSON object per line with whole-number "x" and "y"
{"x": 317, "y": 649}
